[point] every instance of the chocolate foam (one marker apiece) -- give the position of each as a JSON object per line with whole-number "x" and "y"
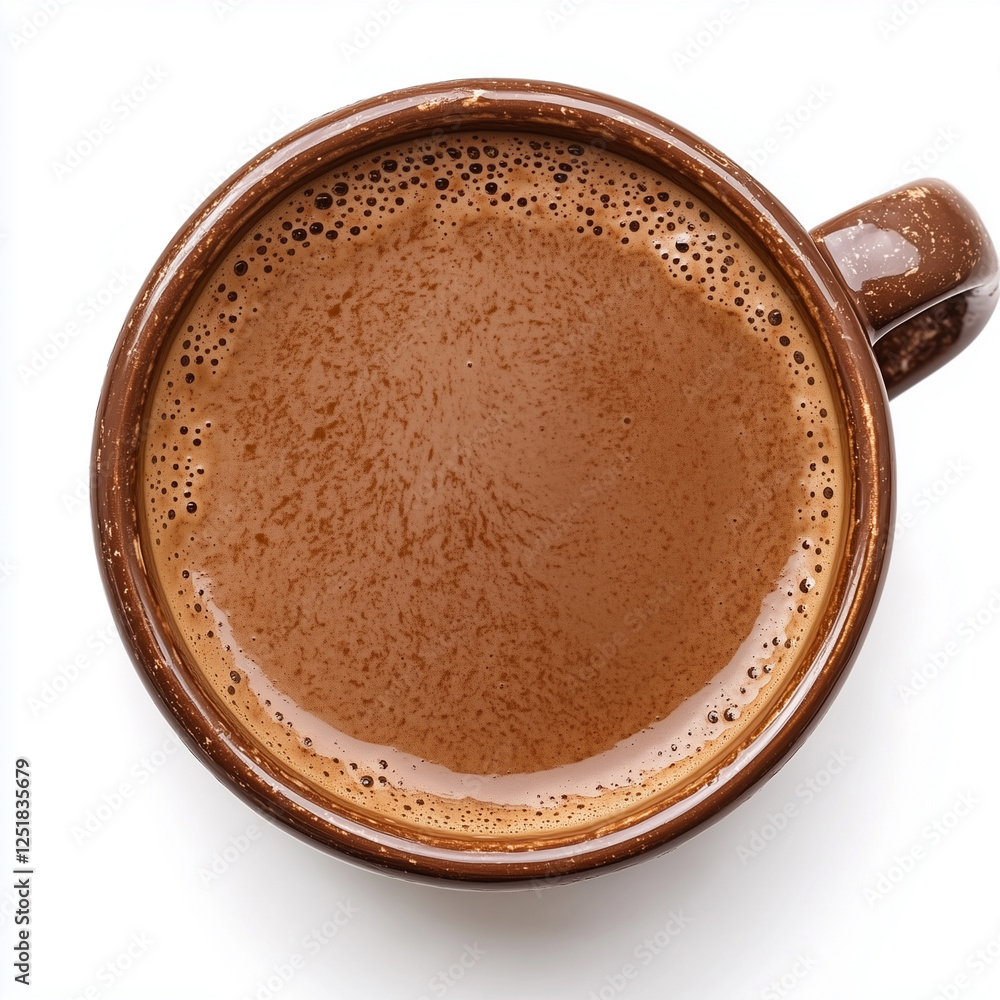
{"x": 493, "y": 482}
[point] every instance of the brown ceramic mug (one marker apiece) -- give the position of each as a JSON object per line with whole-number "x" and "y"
{"x": 890, "y": 290}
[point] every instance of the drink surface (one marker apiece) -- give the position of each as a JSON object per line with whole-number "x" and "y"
{"x": 493, "y": 482}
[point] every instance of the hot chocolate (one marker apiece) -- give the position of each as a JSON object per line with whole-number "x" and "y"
{"x": 494, "y": 481}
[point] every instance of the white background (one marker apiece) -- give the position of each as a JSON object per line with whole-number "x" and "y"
{"x": 794, "y": 917}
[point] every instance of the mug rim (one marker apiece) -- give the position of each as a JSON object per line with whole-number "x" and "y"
{"x": 526, "y": 106}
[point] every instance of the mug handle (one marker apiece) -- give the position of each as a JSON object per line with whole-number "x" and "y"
{"x": 922, "y": 272}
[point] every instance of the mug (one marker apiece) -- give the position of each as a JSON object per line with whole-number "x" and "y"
{"x": 895, "y": 287}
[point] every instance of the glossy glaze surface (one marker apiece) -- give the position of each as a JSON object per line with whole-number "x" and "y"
{"x": 923, "y": 272}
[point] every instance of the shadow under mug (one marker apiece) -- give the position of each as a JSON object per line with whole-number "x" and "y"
{"x": 894, "y": 288}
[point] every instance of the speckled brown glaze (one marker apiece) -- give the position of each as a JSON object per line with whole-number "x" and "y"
{"x": 146, "y": 623}
{"x": 923, "y": 273}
